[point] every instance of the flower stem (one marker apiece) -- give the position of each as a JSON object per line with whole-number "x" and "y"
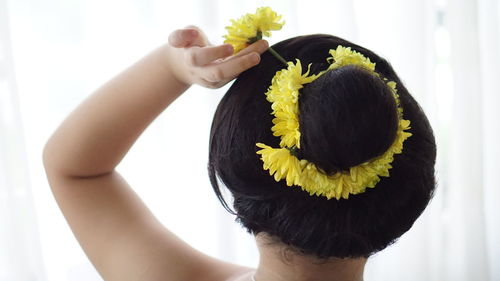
{"x": 276, "y": 55}
{"x": 256, "y": 38}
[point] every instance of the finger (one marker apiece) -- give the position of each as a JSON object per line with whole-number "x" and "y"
{"x": 206, "y": 55}
{"x": 181, "y": 38}
{"x": 202, "y": 39}
{"x": 229, "y": 69}
{"x": 259, "y": 47}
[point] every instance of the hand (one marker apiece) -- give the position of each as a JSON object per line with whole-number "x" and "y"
{"x": 195, "y": 61}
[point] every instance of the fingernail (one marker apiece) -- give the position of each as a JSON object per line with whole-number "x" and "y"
{"x": 254, "y": 58}
{"x": 228, "y": 49}
{"x": 193, "y": 32}
{"x": 262, "y": 47}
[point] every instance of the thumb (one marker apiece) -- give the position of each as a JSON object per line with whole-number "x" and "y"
{"x": 187, "y": 37}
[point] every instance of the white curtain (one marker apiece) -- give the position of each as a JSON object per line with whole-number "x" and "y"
{"x": 473, "y": 201}
{"x": 54, "y": 53}
{"x": 20, "y": 254}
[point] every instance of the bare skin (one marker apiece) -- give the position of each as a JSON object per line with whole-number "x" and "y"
{"x": 277, "y": 264}
{"x": 118, "y": 233}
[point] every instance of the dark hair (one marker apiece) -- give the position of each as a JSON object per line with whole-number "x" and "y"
{"x": 347, "y": 116}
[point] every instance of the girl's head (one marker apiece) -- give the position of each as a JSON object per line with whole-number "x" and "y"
{"x": 347, "y": 116}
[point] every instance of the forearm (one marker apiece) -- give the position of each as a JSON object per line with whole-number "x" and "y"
{"x": 98, "y": 134}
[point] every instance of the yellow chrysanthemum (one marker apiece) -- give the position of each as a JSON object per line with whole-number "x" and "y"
{"x": 345, "y": 56}
{"x": 282, "y": 164}
{"x": 284, "y": 95}
{"x": 251, "y": 27}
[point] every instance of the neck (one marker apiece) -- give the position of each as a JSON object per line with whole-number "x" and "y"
{"x": 274, "y": 266}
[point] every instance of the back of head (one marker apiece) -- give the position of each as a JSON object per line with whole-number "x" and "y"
{"x": 347, "y": 117}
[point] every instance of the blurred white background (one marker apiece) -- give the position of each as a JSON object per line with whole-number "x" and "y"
{"x": 54, "y": 53}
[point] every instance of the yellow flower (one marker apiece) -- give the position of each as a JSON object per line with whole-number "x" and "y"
{"x": 282, "y": 164}
{"x": 284, "y": 96}
{"x": 251, "y": 27}
{"x": 392, "y": 86}
{"x": 343, "y": 56}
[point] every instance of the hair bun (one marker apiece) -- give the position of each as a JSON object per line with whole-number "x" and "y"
{"x": 347, "y": 116}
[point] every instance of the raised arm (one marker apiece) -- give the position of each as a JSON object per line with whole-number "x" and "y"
{"x": 97, "y": 135}
{"x": 116, "y": 230}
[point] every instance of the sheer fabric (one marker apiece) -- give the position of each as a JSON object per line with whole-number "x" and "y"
{"x": 54, "y": 53}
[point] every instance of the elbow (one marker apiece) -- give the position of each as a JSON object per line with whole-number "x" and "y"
{"x": 54, "y": 161}
{"x": 61, "y": 162}
{"x": 48, "y": 159}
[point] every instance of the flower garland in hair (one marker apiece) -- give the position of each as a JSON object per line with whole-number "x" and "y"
{"x": 283, "y": 164}
{"x": 283, "y": 94}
